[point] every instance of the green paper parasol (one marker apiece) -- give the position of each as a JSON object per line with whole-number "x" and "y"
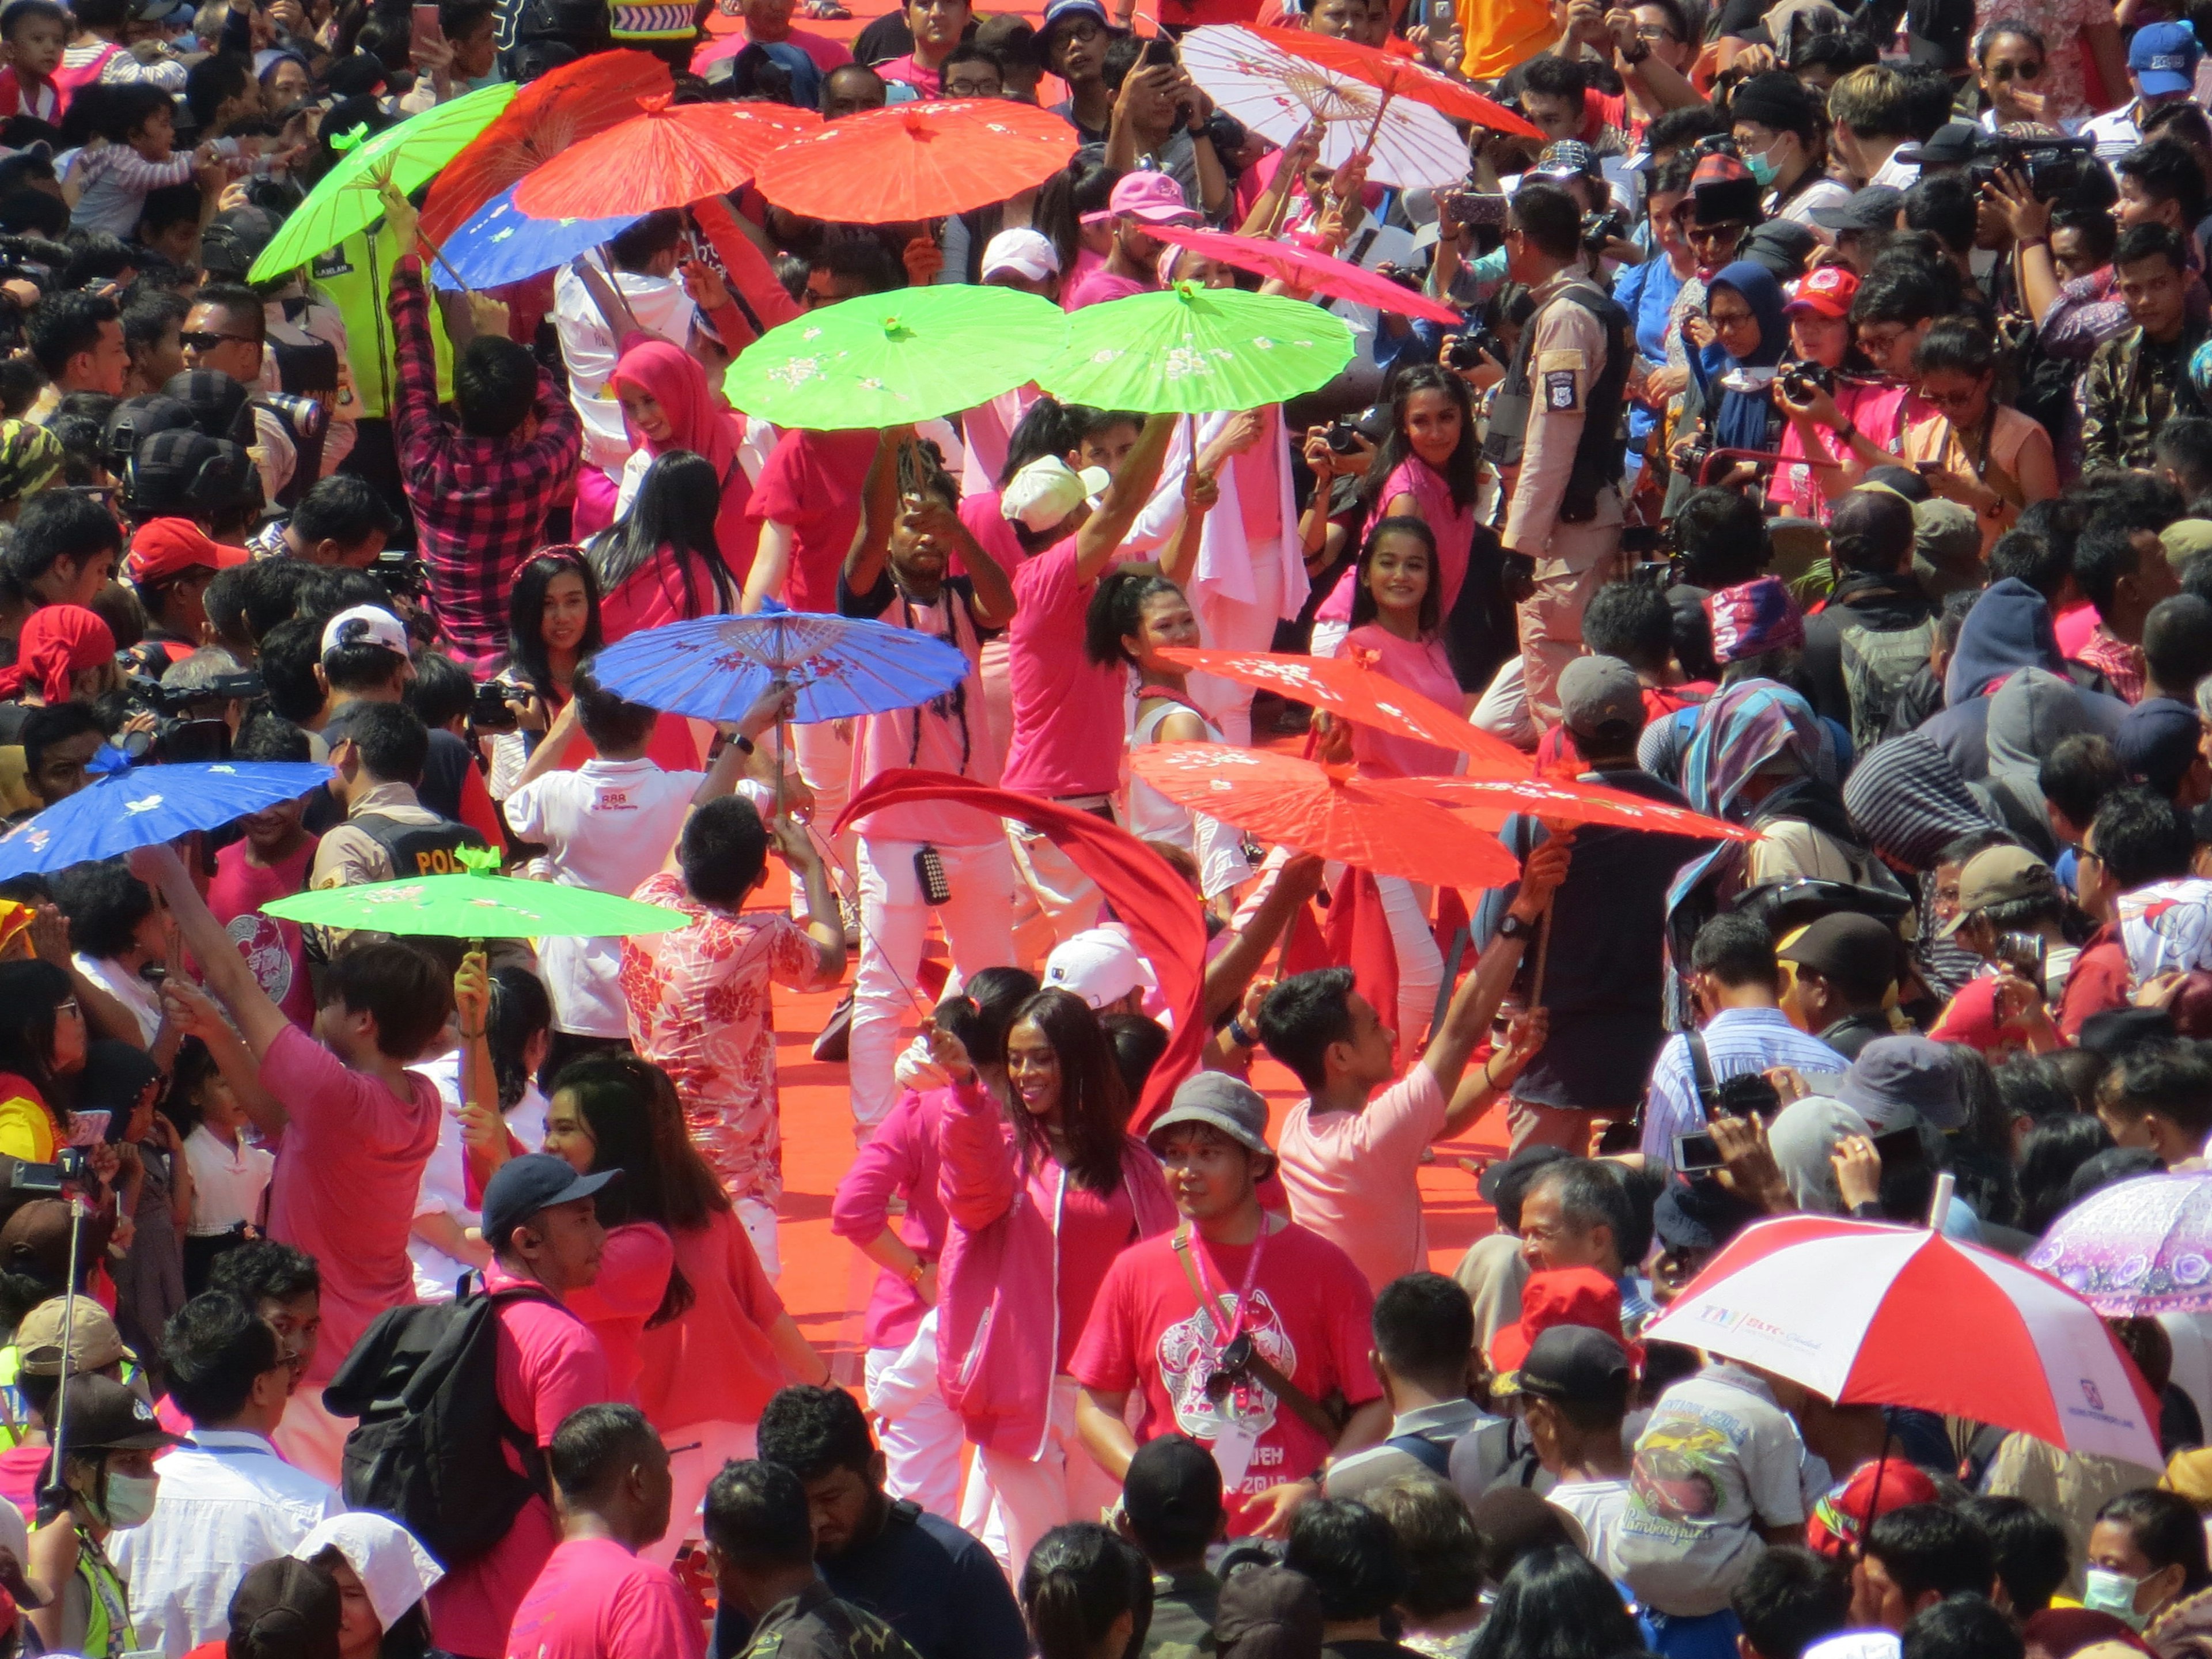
{"x": 890, "y": 359}
{"x": 345, "y": 201}
{"x": 477, "y": 906}
{"x": 1192, "y": 350}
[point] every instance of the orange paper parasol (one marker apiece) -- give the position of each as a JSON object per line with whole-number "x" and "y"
{"x": 907, "y": 163}
{"x": 1316, "y": 809}
{"x": 1486, "y": 803}
{"x": 559, "y": 109}
{"x": 1348, "y": 688}
{"x": 672, "y": 156}
{"x": 1401, "y": 77}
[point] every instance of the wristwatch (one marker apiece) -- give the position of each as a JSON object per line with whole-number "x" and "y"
{"x": 1514, "y": 927}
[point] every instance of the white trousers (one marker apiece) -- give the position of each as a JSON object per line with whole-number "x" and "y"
{"x": 757, "y": 1218}
{"x": 977, "y": 922}
{"x": 1421, "y": 965}
{"x": 1012, "y": 1501}
{"x": 689, "y": 1473}
{"x": 920, "y": 1434}
{"x": 824, "y": 753}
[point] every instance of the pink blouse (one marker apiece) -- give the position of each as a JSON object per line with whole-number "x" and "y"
{"x": 1418, "y": 665}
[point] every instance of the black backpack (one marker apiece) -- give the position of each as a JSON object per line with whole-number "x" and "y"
{"x": 430, "y": 1449}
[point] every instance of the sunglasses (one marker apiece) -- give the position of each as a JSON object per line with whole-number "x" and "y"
{"x": 2022, "y": 71}
{"x": 1728, "y": 232}
{"x": 201, "y": 340}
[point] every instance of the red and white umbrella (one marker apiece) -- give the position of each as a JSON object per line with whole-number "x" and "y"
{"x": 1871, "y": 1314}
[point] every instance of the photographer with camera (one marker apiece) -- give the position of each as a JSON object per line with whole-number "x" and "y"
{"x": 1734, "y": 408}
{"x": 171, "y": 562}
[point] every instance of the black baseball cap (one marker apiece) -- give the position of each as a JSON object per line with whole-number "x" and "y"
{"x": 1700, "y": 1215}
{"x": 523, "y": 1186}
{"x": 1173, "y": 1487}
{"x": 1503, "y": 1183}
{"x": 1874, "y": 208}
{"x": 185, "y": 474}
{"x": 100, "y": 1414}
{"x": 1847, "y": 946}
{"x": 1578, "y": 1365}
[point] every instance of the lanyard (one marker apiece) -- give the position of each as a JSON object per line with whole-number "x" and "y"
{"x": 1200, "y": 1256}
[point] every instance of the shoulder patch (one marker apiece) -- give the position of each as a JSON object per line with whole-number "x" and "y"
{"x": 1560, "y": 357}
{"x": 1559, "y": 390}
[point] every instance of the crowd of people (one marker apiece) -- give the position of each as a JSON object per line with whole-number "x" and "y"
{"x": 1825, "y": 446}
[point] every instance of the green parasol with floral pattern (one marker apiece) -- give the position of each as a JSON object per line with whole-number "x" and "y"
{"x": 474, "y": 903}
{"x": 1192, "y": 350}
{"x": 892, "y": 359}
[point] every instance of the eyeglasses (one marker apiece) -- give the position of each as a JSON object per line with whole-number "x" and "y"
{"x": 1714, "y": 233}
{"x": 2029, "y": 71}
{"x": 1655, "y": 32}
{"x": 68, "y": 1006}
{"x": 1731, "y": 319}
{"x": 200, "y": 340}
{"x": 1951, "y": 399}
{"x": 973, "y": 89}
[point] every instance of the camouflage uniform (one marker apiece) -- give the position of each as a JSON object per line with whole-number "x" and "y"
{"x": 2133, "y": 388}
{"x": 1183, "y": 1615}
{"x": 815, "y": 1625}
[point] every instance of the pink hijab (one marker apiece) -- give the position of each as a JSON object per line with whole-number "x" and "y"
{"x": 674, "y": 380}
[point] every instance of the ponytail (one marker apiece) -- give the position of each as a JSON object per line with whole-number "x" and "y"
{"x": 1117, "y": 607}
{"x": 1078, "y": 1581}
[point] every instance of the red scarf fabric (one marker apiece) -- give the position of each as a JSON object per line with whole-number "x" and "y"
{"x": 58, "y": 641}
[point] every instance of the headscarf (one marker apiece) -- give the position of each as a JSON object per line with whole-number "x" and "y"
{"x": 394, "y": 1570}
{"x": 1802, "y": 1137}
{"x": 30, "y": 456}
{"x": 58, "y": 641}
{"x": 1753, "y": 618}
{"x": 1742, "y": 418}
{"x": 674, "y": 380}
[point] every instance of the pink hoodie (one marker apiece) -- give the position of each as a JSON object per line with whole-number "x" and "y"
{"x": 899, "y": 1159}
{"x": 998, "y": 1281}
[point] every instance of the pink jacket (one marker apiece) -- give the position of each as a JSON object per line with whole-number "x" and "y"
{"x": 998, "y": 1282}
{"x": 899, "y": 1159}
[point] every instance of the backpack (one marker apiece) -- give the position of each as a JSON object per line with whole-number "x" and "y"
{"x": 1877, "y": 665}
{"x": 429, "y": 1450}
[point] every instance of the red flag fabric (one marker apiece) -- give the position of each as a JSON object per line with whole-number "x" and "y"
{"x": 1149, "y": 898}
{"x": 1358, "y": 934}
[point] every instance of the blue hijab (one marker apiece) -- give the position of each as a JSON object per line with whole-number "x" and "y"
{"x": 1741, "y": 419}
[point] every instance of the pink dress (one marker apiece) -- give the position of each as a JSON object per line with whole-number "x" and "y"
{"x": 1418, "y": 665}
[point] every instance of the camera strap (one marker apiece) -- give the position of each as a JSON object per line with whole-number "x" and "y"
{"x": 1701, "y": 1075}
{"x": 1259, "y": 1367}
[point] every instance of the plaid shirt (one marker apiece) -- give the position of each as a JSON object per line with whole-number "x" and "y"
{"x": 480, "y": 504}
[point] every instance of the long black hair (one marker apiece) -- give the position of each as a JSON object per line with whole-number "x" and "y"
{"x": 984, "y": 1012}
{"x": 1094, "y": 1107}
{"x": 526, "y": 615}
{"x": 1363, "y": 610}
{"x": 1556, "y": 1605}
{"x": 637, "y": 1125}
{"x": 1116, "y": 610}
{"x": 520, "y": 1013}
{"x": 1078, "y": 1581}
{"x": 409, "y": 1637}
{"x": 1460, "y": 473}
{"x": 31, "y": 996}
{"x": 676, "y": 504}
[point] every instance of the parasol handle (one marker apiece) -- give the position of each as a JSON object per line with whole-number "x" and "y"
{"x": 438, "y": 254}
{"x": 1939, "y": 1207}
{"x": 1367, "y": 144}
{"x": 468, "y": 1057}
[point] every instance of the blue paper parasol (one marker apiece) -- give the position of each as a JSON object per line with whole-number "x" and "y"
{"x": 144, "y": 805}
{"x": 714, "y": 668}
{"x": 500, "y": 243}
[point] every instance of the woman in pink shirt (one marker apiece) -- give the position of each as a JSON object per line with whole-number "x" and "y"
{"x": 663, "y": 561}
{"x": 699, "y": 1351}
{"x": 668, "y": 406}
{"x": 1424, "y": 470}
{"x": 1038, "y": 1209}
{"x": 921, "y": 1438}
{"x": 1396, "y": 627}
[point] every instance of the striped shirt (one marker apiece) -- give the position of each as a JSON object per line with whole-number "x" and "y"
{"x": 1737, "y": 1040}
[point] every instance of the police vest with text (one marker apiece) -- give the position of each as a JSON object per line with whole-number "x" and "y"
{"x": 418, "y": 850}
{"x": 1598, "y": 457}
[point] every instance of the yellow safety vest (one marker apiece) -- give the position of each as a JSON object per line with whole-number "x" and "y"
{"x": 357, "y": 278}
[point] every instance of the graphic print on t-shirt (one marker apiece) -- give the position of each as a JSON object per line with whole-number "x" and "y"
{"x": 1674, "y": 1472}
{"x": 1188, "y": 1353}
{"x": 261, "y": 942}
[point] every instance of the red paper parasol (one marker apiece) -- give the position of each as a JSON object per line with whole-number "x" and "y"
{"x": 551, "y": 113}
{"x": 669, "y": 157}
{"x": 1349, "y": 688}
{"x": 911, "y": 162}
{"x": 1486, "y": 803}
{"x": 1316, "y": 809}
{"x": 1401, "y": 77}
{"x": 1308, "y": 272}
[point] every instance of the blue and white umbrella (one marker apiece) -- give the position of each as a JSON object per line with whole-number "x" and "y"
{"x": 716, "y": 668}
{"x": 500, "y": 243}
{"x": 132, "y": 806}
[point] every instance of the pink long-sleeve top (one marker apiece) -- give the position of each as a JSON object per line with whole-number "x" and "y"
{"x": 899, "y": 1160}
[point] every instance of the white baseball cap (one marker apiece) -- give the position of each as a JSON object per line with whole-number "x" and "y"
{"x": 1047, "y": 489}
{"x": 1025, "y": 252}
{"x": 1098, "y": 964}
{"x": 366, "y": 624}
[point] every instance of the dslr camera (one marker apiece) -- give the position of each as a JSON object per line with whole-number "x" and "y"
{"x": 1801, "y": 380}
{"x": 188, "y": 721}
{"x": 1599, "y": 228}
{"x": 2054, "y": 167}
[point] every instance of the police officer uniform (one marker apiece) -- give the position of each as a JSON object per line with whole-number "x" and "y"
{"x": 1555, "y": 440}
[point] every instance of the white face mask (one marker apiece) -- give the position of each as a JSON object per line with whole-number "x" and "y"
{"x": 2114, "y": 1592}
{"x": 129, "y": 1499}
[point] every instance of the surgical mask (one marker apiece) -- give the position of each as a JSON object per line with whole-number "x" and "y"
{"x": 1764, "y": 168}
{"x": 2114, "y": 1592}
{"x": 128, "y": 1499}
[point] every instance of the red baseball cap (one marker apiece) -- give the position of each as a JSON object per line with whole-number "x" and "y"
{"x": 1559, "y": 1296}
{"x": 161, "y": 548}
{"x": 1827, "y": 291}
{"x": 1840, "y": 1519}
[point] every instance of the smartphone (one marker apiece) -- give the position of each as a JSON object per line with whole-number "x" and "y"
{"x": 424, "y": 27}
{"x": 929, "y": 876}
{"x": 1697, "y": 1153}
{"x": 1157, "y": 49}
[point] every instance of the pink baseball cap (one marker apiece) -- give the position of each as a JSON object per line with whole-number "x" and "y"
{"x": 1155, "y": 198}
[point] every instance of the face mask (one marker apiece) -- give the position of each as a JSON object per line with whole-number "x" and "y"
{"x": 2113, "y": 1593}
{"x": 129, "y": 1500}
{"x": 1764, "y": 168}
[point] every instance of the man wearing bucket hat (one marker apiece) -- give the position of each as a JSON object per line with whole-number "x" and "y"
{"x": 1198, "y": 1321}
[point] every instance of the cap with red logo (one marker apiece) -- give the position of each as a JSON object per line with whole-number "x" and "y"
{"x": 162, "y": 548}
{"x": 1827, "y": 292}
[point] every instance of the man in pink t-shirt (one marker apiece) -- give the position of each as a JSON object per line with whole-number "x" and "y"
{"x": 1138, "y": 199}
{"x": 1068, "y": 711}
{"x": 356, "y": 1125}
{"x": 767, "y": 22}
{"x": 595, "y": 1599}
{"x": 1350, "y": 1158}
{"x": 541, "y": 1221}
{"x": 936, "y": 27}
